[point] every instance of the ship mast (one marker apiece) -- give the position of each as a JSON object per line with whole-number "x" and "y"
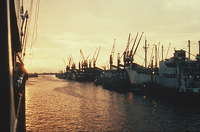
{"x": 162, "y": 52}
{"x": 189, "y": 49}
{"x": 189, "y": 52}
{"x": 145, "y": 49}
{"x": 168, "y": 50}
{"x": 199, "y": 47}
{"x": 155, "y": 56}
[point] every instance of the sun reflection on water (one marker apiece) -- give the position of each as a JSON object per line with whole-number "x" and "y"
{"x": 54, "y": 104}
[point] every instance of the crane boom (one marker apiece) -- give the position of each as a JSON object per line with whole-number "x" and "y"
{"x": 98, "y": 53}
{"x": 94, "y": 54}
{"x": 88, "y": 56}
{"x": 128, "y": 43}
{"x": 64, "y": 61}
{"x": 137, "y": 45}
{"x": 72, "y": 58}
{"x": 134, "y": 44}
{"x": 113, "y": 49}
{"x": 82, "y": 54}
{"x": 168, "y": 50}
{"x": 127, "y": 47}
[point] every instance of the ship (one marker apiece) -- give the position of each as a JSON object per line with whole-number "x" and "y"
{"x": 85, "y": 72}
{"x": 13, "y": 28}
{"x": 175, "y": 75}
{"x": 116, "y": 80}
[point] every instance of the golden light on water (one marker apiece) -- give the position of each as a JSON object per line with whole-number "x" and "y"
{"x": 54, "y": 104}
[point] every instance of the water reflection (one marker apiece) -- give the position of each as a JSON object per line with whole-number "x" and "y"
{"x": 61, "y": 105}
{"x": 130, "y": 98}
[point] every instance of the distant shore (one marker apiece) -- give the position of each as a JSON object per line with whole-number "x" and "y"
{"x": 36, "y": 74}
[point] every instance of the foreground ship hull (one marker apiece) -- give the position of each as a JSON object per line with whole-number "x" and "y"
{"x": 13, "y": 76}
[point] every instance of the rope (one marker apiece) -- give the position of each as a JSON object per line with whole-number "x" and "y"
{"x": 34, "y": 35}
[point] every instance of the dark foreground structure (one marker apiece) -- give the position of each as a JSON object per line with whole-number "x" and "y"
{"x": 13, "y": 75}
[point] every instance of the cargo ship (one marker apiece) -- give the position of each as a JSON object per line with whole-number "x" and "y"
{"x": 177, "y": 74}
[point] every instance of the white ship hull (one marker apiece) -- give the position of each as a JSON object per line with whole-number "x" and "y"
{"x": 136, "y": 78}
{"x": 174, "y": 74}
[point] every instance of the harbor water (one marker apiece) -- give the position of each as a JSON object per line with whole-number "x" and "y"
{"x": 54, "y": 104}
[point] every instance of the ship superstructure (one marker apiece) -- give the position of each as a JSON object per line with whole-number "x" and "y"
{"x": 177, "y": 73}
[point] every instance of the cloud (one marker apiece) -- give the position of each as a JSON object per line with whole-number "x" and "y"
{"x": 66, "y": 26}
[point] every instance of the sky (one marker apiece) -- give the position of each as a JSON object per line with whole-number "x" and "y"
{"x": 66, "y": 26}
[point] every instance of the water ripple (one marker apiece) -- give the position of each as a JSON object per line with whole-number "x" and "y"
{"x": 54, "y": 104}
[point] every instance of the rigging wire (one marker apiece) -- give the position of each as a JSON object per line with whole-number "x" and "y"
{"x": 34, "y": 35}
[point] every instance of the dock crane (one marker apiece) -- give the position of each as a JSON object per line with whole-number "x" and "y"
{"x": 129, "y": 56}
{"x": 112, "y": 54}
{"x": 87, "y": 56}
{"x": 127, "y": 47}
{"x": 73, "y": 65}
{"x": 65, "y": 64}
{"x": 133, "y": 45}
{"x": 84, "y": 62}
{"x": 90, "y": 61}
{"x": 137, "y": 46}
{"x": 168, "y": 50}
{"x": 68, "y": 66}
{"x": 64, "y": 61}
{"x": 126, "y": 51}
{"x": 95, "y": 59}
{"x": 83, "y": 58}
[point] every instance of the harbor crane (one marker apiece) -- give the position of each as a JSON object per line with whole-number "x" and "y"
{"x": 64, "y": 61}
{"x": 92, "y": 60}
{"x": 95, "y": 59}
{"x": 83, "y": 58}
{"x": 73, "y": 65}
{"x": 129, "y": 56}
{"x": 112, "y": 54}
{"x": 137, "y": 46}
{"x": 84, "y": 62}
{"x": 133, "y": 45}
{"x": 67, "y": 66}
{"x": 126, "y": 51}
{"x": 168, "y": 50}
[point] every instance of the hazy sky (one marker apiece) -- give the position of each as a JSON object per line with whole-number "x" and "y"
{"x": 66, "y": 26}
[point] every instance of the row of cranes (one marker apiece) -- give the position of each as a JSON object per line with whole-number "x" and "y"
{"x": 84, "y": 62}
{"x": 71, "y": 63}
{"x": 128, "y": 56}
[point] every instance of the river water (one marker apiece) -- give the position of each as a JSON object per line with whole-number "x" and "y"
{"x": 54, "y": 104}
